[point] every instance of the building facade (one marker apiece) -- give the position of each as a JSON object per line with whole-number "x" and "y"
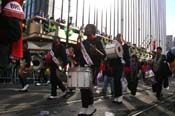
{"x": 170, "y": 42}
{"x": 35, "y": 7}
{"x": 140, "y": 21}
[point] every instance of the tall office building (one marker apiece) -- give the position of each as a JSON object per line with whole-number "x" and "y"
{"x": 35, "y": 7}
{"x": 142, "y": 22}
{"x": 170, "y": 42}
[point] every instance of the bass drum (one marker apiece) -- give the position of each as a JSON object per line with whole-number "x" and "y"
{"x": 37, "y": 62}
{"x": 114, "y": 50}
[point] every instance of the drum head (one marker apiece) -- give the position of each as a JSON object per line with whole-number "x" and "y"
{"x": 119, "y": 50}
{"x": 114, "y": 50}
{"x": 37, "y": 62}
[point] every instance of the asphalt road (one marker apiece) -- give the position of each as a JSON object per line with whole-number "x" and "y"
{"x": 35, "y": 102}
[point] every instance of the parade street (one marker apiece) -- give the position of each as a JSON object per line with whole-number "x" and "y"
{"x": 35, "y": 102}
{"x": 87, "y": 58}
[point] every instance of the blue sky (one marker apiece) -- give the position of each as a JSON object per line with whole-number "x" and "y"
{"x": 170, "y": 16}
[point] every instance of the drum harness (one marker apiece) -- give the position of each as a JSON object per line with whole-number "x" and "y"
{"x": 55, "y": 60}
{"x": 86, "y": 55}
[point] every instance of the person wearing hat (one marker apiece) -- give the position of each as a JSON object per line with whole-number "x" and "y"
{"x": 10, "y": 31}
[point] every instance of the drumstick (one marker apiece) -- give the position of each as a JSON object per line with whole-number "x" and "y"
{"x": 97, "y": 49}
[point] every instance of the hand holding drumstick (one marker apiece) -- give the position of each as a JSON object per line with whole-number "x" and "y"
{"x": 97, "y": 50}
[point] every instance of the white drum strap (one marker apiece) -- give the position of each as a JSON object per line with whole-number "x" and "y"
{"x": 86, "y": 55}
{"x": 54, "y": 58}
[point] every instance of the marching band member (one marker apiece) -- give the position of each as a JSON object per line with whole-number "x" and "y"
{"x": 91, "y": 53}
{"x": 58, "y": 60}
{"x": 117, "y": 67}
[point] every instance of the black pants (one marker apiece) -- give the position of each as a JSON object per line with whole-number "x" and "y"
{"x": 158, "y": 87}
{"x": 117, "y": 81}
{"x": 166, "y": 82}
{"x": 94, "y": 72}
{"x": 55, "y": 81}
{"x": 143, "y": 76}
{"x": 132, "y": 83}
{"x": 87, "y": 97}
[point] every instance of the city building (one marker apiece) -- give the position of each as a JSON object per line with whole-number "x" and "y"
{"x": 142, "y": 22}
{"x": 35, "y": 7}
{"x": 170, "y": 42}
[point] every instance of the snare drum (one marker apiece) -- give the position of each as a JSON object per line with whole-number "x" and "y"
{"x": 114, "y": 50}
{"x": 80, "y": 77}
